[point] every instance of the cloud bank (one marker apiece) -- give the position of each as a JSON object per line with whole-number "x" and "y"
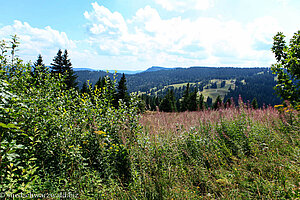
{"x": 34, "y": 41}
{"x": 147, "y": 39}
{"x": 178, "y": 41}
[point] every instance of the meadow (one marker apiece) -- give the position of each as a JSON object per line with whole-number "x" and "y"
{"x": 56, "y": 140}
{"x": 233, "y": 153}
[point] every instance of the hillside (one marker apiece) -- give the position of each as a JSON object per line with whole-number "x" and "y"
{"x": 256, "y": 82}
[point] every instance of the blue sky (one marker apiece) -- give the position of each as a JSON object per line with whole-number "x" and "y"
{"x": 135, "y": 35}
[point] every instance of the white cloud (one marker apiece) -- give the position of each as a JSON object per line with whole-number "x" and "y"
{"x": 34, "y": 41}
{"x": 183, "y": 5}
{"x": 181, "y": 42}
{"x": 147, "y": 39}
{"x": 108, "y": 22}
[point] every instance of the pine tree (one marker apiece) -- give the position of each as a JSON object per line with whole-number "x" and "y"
{"x": 201, "y": 102}
{"x": 186, "y": 99}
{"x": 192, "y": 106}
{"x": 217, "y": 103}
{"x": 173, "y": 100}
{"x": 110, "y": 88}
{"x": 223, "y": 83}
{"x": 254, "y": 103}
{"x": 68, "y": 70}
{"x": 39, "y": 61}
{"x": 62, "y": 65}
{"x": 228, "y": 103}
{"x": 58, "y": 63}
{"x": 100, "y": 83}
{"x": 168, "y": 103}
{"x": 122, "y": 90}
{"x": 84, "y": 88}
{"x": 208, "y": 101}
{"x": 39, "y": 67}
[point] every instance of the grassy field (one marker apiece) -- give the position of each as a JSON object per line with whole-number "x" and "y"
{"x": 212, "y": 93}
{"x": 226, "y": 154}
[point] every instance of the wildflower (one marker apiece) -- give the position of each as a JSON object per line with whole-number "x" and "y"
{"x": 110, "y": 148}
{"x": 100, "y": 132}
{"x": 71, "y": 146}
{"x": 276, "y": 106}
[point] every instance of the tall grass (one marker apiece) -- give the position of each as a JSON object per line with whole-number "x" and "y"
{"x": 228, "y": 153}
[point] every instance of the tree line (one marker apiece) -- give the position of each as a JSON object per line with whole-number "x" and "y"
{"x": 192, "y": 100}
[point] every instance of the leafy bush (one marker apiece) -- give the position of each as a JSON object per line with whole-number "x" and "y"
{"x": 53, "y": 139}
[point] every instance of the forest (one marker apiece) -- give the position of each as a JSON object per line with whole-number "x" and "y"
{"x": 103, "y": 141}
{"x": 154, "y": 86}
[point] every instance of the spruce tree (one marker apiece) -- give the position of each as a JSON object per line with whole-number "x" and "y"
{"x": 192, "y": 106}
{"x": 110, "y": 88}
{"x": 223, "y": 83}
{"x": 58, "y": 63}
{"x": 201, "y": 102}
{"x": 100, "y": 83}
{"x": 68, "y": 70}
{"x": 62, "y": 65}
{"x": 254, "y": 103}
{"x": 228, "y": 103}
{"x": 39, "y": 67}
{"x": 173, "y": 100}
{"x": 84, "y": 88}
{"x": 168, "y": 103}
{"x": 186, "y": 99}
{"x": 122, "y": 90}
{"x": 39, "y": 61}
{"x": 217, "y": 103}
{"x": 209, "y": 101}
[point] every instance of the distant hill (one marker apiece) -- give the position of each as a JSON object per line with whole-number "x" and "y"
{"x": 157, "y": 68}
{"x": 251, "y": 82}
{"x": 144, "y": 81}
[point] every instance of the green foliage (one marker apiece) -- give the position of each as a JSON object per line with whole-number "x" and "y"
{"x": 240, "y": 154}
{"x": 287, "y": 67}
{"x": 53, "y": 139}
{"x": 168, "y": 103}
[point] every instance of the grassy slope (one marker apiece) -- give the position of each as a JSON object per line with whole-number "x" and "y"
{"x": 213, "y": 93}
